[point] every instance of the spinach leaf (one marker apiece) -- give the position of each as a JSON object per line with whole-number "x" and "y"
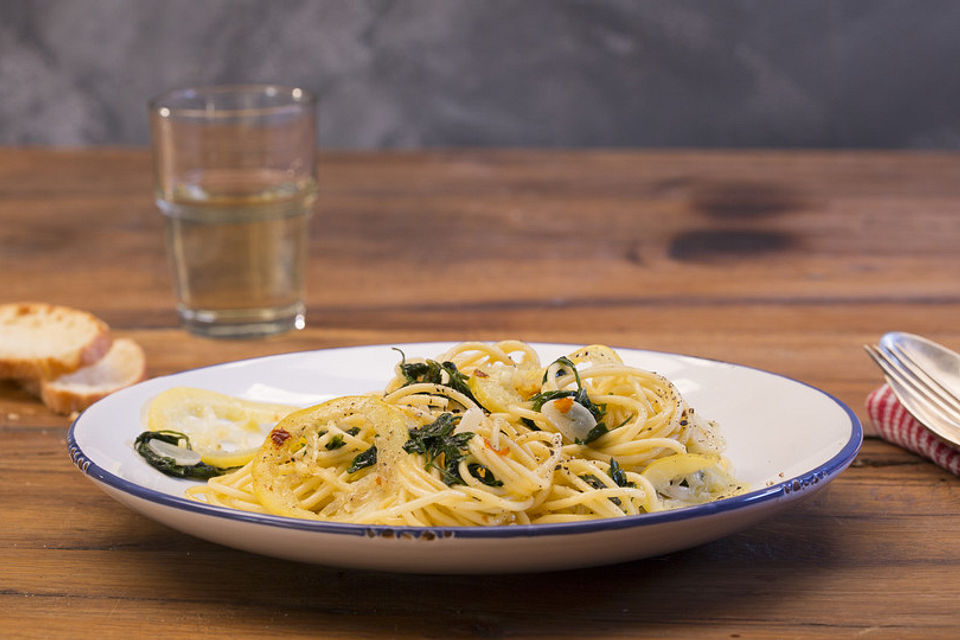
{"x": 443, "y": 448}
{"x": 543, "y": 398}
{"x": 483, "y": 474}
{"x": 363, "y": 460}
{"x": 432, "y": 371}
{"x": 427, "y": 438}
{"x": 579, "y": 396}
{"x": 618, "y": 475}
{"x": 167, "y": 464}
{"x": 337, "y": 441}
{"x": 593, "y": 434}
{"x": 598, "y": 410}
{"x": 415, "y": 372}
{"x": 593, "y": 481}
{"x": 597, "y": 483}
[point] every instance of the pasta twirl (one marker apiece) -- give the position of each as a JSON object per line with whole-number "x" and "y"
{"x": 485, "y": 434}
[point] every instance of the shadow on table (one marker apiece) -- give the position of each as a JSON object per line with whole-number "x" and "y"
{"x": 721, "y": 582}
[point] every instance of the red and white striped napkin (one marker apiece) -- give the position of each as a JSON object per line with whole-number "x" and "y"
{"x": 894, "y": 424}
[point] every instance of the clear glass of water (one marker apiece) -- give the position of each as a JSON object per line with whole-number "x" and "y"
{"x": 235, "y": 178}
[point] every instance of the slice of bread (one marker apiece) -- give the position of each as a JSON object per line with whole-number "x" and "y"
{"x": 43, "y": 341}
{"x": 123, "y": 365}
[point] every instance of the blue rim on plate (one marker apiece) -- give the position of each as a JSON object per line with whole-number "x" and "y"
{"x": 808, "y": 480}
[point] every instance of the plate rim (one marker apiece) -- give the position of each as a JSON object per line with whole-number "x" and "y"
{"x": 789, "y": 487}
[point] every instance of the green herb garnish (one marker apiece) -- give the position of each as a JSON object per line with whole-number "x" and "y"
{"x": 444, "y": 450}
{"x": 337, "y": 441}
{"x": 432, "y": 372}
{"x": 618, "y": 475}
{"x": 600, "y": 430}
{"x": 593, "y": 434}
{"x": 593, "y": 481}
{"x": 483, "y": 474}
{"x": 597, "y": 483}
{"x": 363, "y": 460}
{"x": 579, "y": 396}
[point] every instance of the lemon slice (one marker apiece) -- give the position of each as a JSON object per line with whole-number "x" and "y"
{"x": 227, "y": 459}
{"x": 226, "y": 431}
{"x": 661, "y": 472}
{"x": 280, "y": 476}
{"x": 492, "y": 393}
{"x": 500, "y": 386}
{"x": 594, "y": 355}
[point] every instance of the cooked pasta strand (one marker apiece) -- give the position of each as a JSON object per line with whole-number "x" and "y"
{"x": 467, "y": 440}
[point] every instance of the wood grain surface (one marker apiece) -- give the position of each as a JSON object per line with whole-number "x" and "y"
{"x": 787, "y": 261}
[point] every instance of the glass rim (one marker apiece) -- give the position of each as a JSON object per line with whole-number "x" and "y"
{"x": 298, "y": 98}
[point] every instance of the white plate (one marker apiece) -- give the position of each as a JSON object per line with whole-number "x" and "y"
{"x": 786, "y": 439}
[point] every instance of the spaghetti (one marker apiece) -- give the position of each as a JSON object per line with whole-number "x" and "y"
{"x": 486, "y": 435}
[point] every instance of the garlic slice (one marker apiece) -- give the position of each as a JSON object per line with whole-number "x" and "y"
{"x": 181, "y": 455}
{"x": 570, "y": 418}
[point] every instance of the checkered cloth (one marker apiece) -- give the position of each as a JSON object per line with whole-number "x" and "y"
{"x": 894, "y": 424}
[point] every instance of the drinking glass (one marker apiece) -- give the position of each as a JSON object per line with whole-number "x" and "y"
{"x": 235, "y": 178}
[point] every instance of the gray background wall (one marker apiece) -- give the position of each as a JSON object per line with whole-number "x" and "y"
{"x": 427, "y": 73}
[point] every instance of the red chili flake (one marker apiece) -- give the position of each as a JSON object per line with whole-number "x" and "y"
{"x": 480, "y": 373}
{"x": 563, "y": 405}
{"x": 279, "y": 436}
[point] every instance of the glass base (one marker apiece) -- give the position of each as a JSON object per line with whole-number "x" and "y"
{"x": 242, "y": 323}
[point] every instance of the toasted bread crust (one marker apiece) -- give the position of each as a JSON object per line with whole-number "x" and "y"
{"x": 123, "y": 365}
{"x": 43, "y": 341}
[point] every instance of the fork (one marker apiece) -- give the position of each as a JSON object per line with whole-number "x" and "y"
{"x": 931, "y": 402}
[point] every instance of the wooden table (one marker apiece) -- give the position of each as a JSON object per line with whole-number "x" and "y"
{"x": 788, "y": 261}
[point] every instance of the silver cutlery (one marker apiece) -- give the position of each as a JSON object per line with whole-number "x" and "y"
{"x": 925, "y": 377}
